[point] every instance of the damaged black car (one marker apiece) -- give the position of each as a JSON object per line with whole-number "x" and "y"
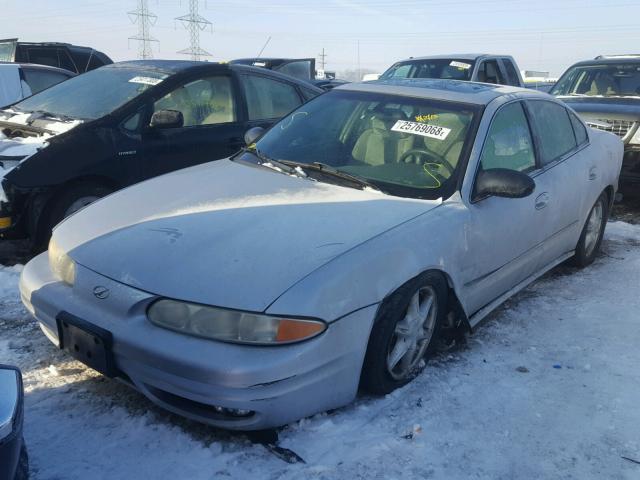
{"x": 123, "y": 123}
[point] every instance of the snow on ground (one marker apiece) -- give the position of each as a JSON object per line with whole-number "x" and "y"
{"x": 548, "y": 387}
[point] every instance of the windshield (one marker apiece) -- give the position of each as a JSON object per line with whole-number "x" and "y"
{"x": 93, "y": 94}
{"x": 609, "y": 80}
{"x": 404, "y": 146}
{"x": 445, "y": 68}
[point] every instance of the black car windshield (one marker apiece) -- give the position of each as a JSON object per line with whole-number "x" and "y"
{"x": 93, "y": 94}
{"x": 603, "y": 80}
{"x": 446, "y": 68}
{"x": 404, "y": 146}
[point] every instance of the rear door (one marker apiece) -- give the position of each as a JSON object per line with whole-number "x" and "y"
{"x": 268, "y": 98}
{"x": 213, "y": 127}
{"x": 489, "y": 71}
{"x": 563, "y": 178}
{"x": 510, "y": 72}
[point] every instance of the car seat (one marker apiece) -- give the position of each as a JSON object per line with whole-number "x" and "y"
{"x": 378, "y": 145}
{"x": 221, "y": 103}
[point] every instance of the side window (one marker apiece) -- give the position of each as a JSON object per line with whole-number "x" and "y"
{"x": 512, "y": 74}
{"x": 40, "y": 79}
{"x": 267, "y": 98}
{"x": 44, "y": 56}
{"x": 402, "y": 71}
{"x": 508, "y": 143}
{"x": 300, "y": 69}
{"x": 554, "y": 129}
{"x": 205, "y": 101}
{"x": 65, "y": 61}
{"x": 579, "y": 129}
{"x": 489, "y": 72}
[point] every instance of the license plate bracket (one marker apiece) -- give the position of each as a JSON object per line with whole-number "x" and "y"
{"x": 87, "y": 343}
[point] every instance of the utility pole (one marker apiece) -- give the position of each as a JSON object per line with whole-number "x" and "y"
{"x": 194, "y": 23}
{"x": 322, "y": 56}
{"x": 145, "y": 19}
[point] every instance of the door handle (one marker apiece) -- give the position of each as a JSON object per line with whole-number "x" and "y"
{"x": 593, "y": 173}
{"x": 542, "y": 200}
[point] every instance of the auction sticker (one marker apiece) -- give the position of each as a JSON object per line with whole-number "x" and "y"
{"x": 462, "y": 65}
{"x": 423, "y": 129}
{"x": 146, "y": 80}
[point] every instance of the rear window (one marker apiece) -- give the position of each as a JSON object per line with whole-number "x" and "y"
{"x": 444, "y": 68}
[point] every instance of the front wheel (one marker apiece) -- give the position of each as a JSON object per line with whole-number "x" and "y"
{"x": 67, "y": 203}
{"x": 405, "y": 331}
{"x": 592, "y": 233}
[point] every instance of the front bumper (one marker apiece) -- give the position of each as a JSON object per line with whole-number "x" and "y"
{"x": 189, "y": 375}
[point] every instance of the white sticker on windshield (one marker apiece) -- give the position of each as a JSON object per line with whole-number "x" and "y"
{"x": 423, "y": 129}
{"x": 146, "y": 80}
{"x": 464, "y": 66}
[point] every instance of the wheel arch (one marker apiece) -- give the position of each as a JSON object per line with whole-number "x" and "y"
{"x": 455, "y": 307}
{"x": 44, "y": 203}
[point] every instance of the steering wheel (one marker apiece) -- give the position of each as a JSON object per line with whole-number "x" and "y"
{"x": 431, "y": 157}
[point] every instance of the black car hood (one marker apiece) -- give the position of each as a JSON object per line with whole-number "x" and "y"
{"x": 627, "y": 108}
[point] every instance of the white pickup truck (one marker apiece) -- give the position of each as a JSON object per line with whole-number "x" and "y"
{"x": 475, "y": 67}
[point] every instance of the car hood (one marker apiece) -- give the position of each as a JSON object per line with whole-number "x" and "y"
{"x": 226, "y": 233}
{"x": 23, "y": 135}
{"x": 591, "y": 108}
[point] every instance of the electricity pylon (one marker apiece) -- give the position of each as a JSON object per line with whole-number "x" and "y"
{"x": 145, "y": 19}
{"x": 194, "y": 23}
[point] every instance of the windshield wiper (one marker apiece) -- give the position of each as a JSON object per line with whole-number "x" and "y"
{"x": 265, "y": 159}
{"x": 45, "y": 114}
{"x": 332, "y": 171}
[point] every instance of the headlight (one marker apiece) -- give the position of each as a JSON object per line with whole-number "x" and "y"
{"x": 635, "y": 140}
{"x": 62, "y": 266}
{"x": 10, "y": 400}
{"x": 231, "y": 325}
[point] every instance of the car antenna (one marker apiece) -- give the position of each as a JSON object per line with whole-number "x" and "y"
{"x": 264, "y": 46}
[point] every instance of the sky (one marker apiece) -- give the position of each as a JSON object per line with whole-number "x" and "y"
{"x": 547, "y": 35}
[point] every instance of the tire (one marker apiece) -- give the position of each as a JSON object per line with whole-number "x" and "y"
{"x": 385, "y": 366}
{"x": 22, "y": 471}
{"x": 592, "y": 233}
{"x": 64, "y": 205}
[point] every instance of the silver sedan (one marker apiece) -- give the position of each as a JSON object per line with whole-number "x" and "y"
{"x": 335, "y": 252}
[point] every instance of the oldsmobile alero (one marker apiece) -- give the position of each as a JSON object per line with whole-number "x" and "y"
{"x": 331, "y": 253}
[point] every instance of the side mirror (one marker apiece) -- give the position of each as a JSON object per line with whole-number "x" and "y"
{"x": 11, "y": 420}
{"x": 167, "y": 119}
{"x": 252, "y": 135}
{"x": 502, "y": 182}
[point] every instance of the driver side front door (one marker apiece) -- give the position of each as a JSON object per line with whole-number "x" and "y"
{"x": 504, "y": 238}
{"x": 212, "y": 127}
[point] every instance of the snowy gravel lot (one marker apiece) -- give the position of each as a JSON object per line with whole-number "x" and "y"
{"x": 548, "y": 387}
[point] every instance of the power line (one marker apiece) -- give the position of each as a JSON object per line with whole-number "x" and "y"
{"x": 145, "y": 19}
{"x": 194, "y": 23}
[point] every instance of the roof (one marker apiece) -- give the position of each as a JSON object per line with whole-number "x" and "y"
{"x": 172, "y": 67}
{"x": 612, "y": 60}
{"x": 452, "y": 90}
{"x": 458, "y": 56}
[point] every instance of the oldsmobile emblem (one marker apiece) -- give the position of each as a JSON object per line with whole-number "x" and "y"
{"x": 101, "y": 292}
